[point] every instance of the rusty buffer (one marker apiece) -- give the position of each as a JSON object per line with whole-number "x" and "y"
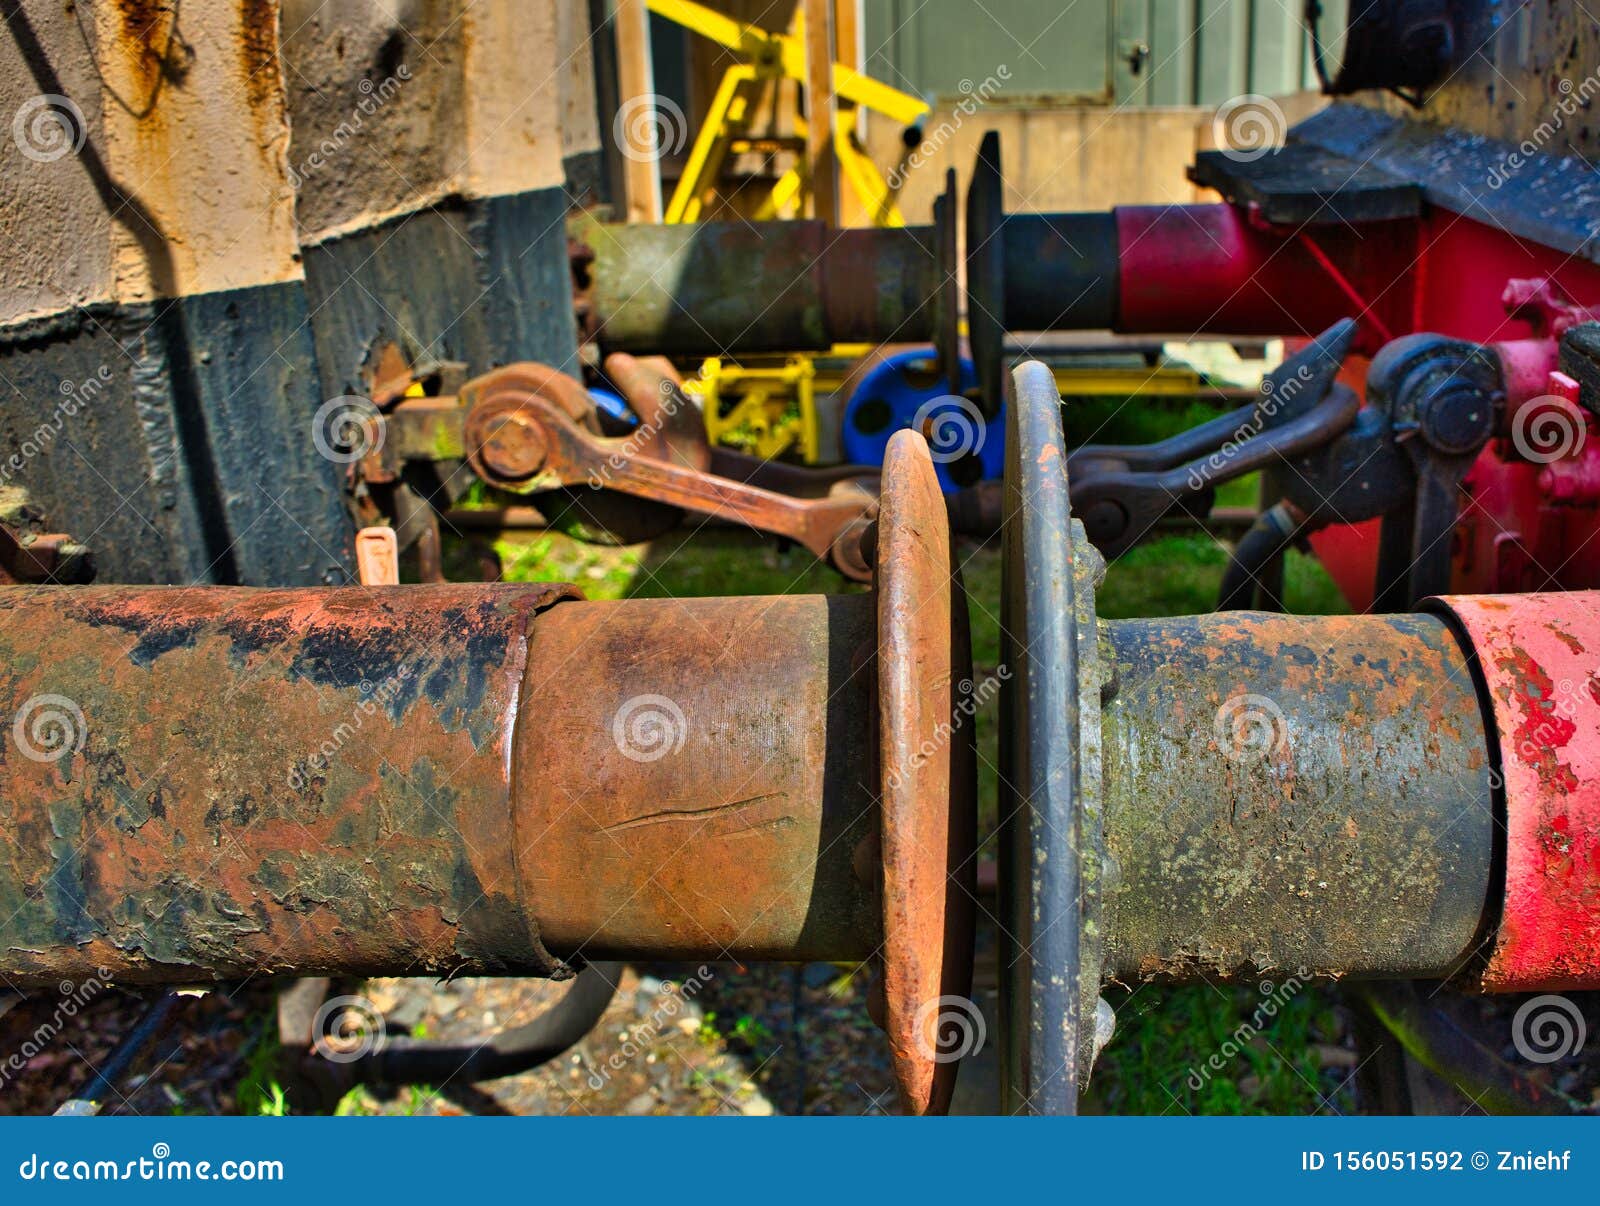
{"x": 459, "y": 779}
{"x": 1258, "y": 796}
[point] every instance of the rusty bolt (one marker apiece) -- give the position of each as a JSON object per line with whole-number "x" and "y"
{"x": 513, "y": 446}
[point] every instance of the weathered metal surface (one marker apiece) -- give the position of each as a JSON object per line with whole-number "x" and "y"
{"x": 530, "y": 429}
{"x": 1049, "y": 769}
{"x": 1289, "y": 795}
{"x": 430, "y": 780}
{"x": 926, "y": 770}
{"x": 668, "y": 787}
{"x": 718, "y": 287}
{"x": 458, "y": 779}
{"x": 1538, "y": 655}
{"x": 211, "y": 782}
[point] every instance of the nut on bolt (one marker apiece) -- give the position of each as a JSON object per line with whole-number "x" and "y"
{"x": 510, "y": 444}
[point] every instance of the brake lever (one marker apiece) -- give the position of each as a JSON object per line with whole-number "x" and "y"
{"x": 1119, "y": 507}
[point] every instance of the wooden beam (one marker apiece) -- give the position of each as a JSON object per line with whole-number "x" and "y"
{"x": 820, "y": 111}
{"x": 636, "y": 83}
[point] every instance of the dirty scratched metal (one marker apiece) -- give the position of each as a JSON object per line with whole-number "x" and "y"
{"x": 1540, "y": 659}
{"x": 440, "y": 779}
{"x": 213, "y": 782}
{"x": 925, "y": 756}
{"x": 1275, "y": 784}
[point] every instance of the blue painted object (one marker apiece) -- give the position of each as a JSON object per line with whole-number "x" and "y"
{"x": 903, "y": 391}
{"x": 613, "y": 405}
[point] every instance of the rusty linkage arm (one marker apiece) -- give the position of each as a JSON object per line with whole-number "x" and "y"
{"x": 529, "y": 429}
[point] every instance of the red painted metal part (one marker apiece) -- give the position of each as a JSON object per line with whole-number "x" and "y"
{"x": 1209, "y": 268}
{"x": 1540, "y": 659}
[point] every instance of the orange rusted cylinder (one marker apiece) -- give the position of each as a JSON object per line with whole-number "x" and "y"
{"x": 216, "y": 782}
{"x": 702, "y": 773}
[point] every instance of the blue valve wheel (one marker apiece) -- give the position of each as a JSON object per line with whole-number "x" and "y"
{"x": 905, "y": 389}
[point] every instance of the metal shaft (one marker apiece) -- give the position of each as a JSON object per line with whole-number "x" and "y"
{"x": 718, "y": 287}
{"x": 452, "y": 779}
{"x": 1289, "y": 795}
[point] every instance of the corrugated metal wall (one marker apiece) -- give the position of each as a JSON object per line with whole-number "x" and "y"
{"x": 1141, "y": 52}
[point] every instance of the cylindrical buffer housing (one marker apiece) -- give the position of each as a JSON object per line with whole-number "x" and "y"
{"x": 1062, "y": 271}
{"x": 1293, "y": 795}
{"x": 715, "y": 288}
{"x": 428, "y": 780}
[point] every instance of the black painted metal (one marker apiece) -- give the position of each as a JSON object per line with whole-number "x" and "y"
{"x": 485, "y": 282}
{"x": 1549, "y": 199}
{"x": 1041, "y": 839}
{"x": 1306, "y": 185}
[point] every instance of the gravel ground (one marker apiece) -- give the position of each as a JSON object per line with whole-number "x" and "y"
{"x": 676, "y": 1039}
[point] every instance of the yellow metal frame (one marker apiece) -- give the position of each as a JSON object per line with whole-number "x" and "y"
{"x": 725, "y": 131}
{"x": 760, "y": 398}
{"x": 757, "y": 419}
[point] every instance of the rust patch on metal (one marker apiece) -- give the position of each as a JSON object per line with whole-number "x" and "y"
{"x": 928, "y": 813}
{"x": 1538, "y": 655}
{"x": 258, "y": 43}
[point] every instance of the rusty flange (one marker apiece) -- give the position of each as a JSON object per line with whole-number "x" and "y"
{"x": 926, "y": 769}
